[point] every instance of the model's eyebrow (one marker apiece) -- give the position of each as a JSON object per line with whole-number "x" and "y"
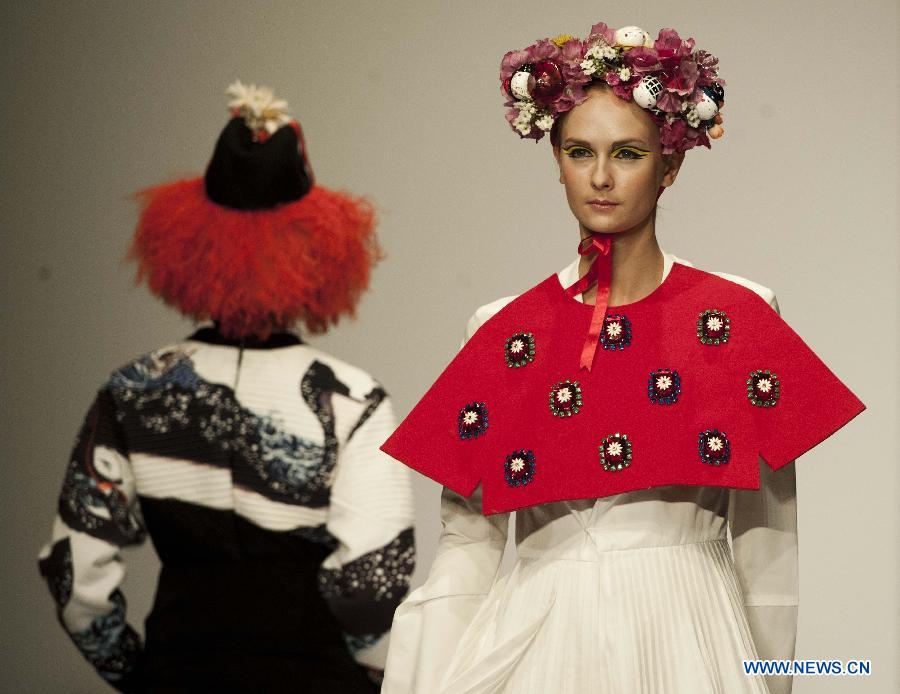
{"x": 635, "y": 142}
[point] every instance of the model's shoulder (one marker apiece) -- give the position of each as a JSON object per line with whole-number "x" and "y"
{"x": 726, "y": 281}
{"x": 484, "y": 313}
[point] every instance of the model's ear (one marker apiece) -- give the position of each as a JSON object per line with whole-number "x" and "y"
{"x": 556, "y": 155}
{"x": 671, "y": 167}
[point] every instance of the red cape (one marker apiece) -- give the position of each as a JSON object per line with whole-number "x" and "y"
{"x": 712, "y": 434}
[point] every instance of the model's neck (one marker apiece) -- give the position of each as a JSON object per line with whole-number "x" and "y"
{"x": 637, "y": 264}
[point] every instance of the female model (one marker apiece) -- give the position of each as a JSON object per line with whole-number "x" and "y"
{"x": 627, "y": 434}
{"x": 250, "y": 458}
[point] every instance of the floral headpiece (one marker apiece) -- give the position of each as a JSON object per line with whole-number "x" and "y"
{"x": 262, "y": 112}
{"x": 677, "y": 85}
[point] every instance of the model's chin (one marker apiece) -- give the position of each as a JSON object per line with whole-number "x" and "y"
{"x": 602, "y": 223}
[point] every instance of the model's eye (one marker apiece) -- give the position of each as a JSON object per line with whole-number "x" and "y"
{"x": 577, "y": 152}
{"x": 630, "y": 153}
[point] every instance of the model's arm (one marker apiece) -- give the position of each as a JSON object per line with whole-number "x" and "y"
{"x": 371, "y": 516}
{"x": 98, "y": 515}
{"x": 764, "y": 542}
{"x": 431, "y": 621}
{"x": 433, "y": 618}
{"x": 764, "y": 532}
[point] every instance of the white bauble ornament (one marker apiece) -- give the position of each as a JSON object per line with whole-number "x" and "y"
{"x": 646, "y": 91}
{"x": 521, "y": 85}
{"x": 706, "y": 108}
{"x": 631, "y": 37}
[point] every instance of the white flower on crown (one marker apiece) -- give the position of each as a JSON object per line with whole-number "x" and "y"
{"x": 690, "y": 114}
{"x": 608, "y": 53}
{"x": 545, "y": 122}
{"x": 522, "y": 123}
{"x": 527, "y": 107}
{"x": 625, "y": 73}
{"x": 258, "y": 106}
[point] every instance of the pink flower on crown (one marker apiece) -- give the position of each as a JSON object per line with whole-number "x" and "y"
{"x": 567, "y": 58}
{"x": 601, "y": 31}
{"x": 671, "y": 48}
{"x": 508, "y": 67}
{"x": 623, "y": 89}
{"x": 671, "y": 134}
{"x": 707, "y": 68}
{"x": 684, "y": 78}
{"x": 643, "y": 60}
{"x": 678, "y": 136}
{"x": 668, "y": 102}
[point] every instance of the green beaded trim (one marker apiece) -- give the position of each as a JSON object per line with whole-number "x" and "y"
{"x": 726, "y": 328}
{"x": 576, "y": 397}
{"x": 513, "y": 361}
{"x": 751, "y": 391}
{"x": 626, "y": 459}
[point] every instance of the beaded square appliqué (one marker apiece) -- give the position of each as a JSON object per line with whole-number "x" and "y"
{"x": 565, "y": 398}
{"x": 664, "y": 386}
{"x": 615, "y": 452}
{"x": 616, "y": 332}
{"x": 714, "y": 447}
{"x": 519, "y": 350}
{"x": 519, "y": 468}
{"x": 713, "y": 327}
{"x": 763, "y": 388}
{"x": 472, "y": 421}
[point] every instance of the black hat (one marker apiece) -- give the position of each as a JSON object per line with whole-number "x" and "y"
{"x": 259, "y": 160}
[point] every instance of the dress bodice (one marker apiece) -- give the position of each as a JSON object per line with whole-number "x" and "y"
{"x": 583, "y": 530}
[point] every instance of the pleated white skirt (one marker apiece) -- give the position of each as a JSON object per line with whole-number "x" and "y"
{"x": 648, "y": 620}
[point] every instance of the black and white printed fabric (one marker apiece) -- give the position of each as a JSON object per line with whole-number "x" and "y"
{"x": 256, "y": 473}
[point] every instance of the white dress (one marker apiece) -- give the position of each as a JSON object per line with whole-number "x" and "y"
{"x": 637, "y": 593}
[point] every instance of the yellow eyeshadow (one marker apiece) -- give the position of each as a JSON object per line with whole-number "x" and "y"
{"x": 636, "y": 150}
{"x": 574, "y": 148}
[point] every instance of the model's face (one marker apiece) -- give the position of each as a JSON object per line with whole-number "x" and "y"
{"x": 610, "y": 161}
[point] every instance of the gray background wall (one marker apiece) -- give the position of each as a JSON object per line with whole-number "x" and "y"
{"x": 400, "y": 101}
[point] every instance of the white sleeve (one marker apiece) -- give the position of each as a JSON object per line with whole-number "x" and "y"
{"x": 763, "y": 527}
{"x": 98, "y": 514}
{"x": 371, "y": 517}
{"x": 433, "y": 618}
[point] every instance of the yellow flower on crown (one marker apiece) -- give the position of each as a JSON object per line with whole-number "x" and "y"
{"x": 562, "y": 39}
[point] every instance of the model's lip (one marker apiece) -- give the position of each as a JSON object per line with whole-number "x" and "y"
{"x": 608, "y": 203}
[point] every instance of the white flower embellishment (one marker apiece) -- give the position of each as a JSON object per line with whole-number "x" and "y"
{"x": 470, "y": 417}
{"x": 614, "y": 448}
{"x": 714, "y": 443}
{"x": 516, "y": 464}
{"x": 564, "y": 395}
{"x": 614, "y": 329}
{"x": 258, "y": 106}
{"x": 764, "y": 385}
{"x": 516, "y": 346}
{"x": 663, "y": 383}
{"x": 714, "y": 323}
